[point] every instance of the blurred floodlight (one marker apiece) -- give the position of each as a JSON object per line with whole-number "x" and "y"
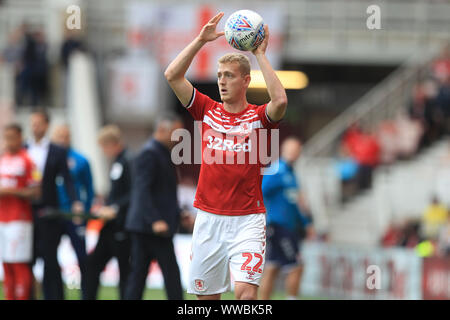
{"x": 289, "y": 79}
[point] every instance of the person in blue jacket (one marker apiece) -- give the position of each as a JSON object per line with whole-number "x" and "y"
{"x": 80, "y": 172}
{"x": 286, "y": 218}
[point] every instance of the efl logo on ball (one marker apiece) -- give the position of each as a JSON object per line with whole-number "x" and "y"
{"x": 244, "y": 30}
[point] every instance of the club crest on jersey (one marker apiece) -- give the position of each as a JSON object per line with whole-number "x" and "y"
{"x": 250, "y": 275}
{"x": 199, "y": 285}
{"x": 245, "y": 128}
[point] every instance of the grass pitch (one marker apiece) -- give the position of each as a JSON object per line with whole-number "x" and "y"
{"x": 112, "y": 293}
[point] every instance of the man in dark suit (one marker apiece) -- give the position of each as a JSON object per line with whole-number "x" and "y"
{"x": 113, "y": 241}
{"x": 51, "y": 161}
{"x": 154, "y": 213}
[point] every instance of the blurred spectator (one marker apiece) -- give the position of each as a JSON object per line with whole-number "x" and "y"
{"x": 417, "y": 105}
{"x": 392, "y": 236}
{"x": 25, "y": 75}
{"x": 51, "y": 161}
{"x": 434, "y": 217}
{"x": 40, "y": 69}
{"x": 72, "y": 43}
{"x": 441, "y": 65}
{"x": 80, "y": 172}
{"x": 287, "y": 214}
{"x": 433, "y": 113}
{"x": 33, "y": 74}
{"x": 12, "y": 53}
{"x": 411, "y": 234}
{"x": 113, "y": 240}
{"x": 387, "y": 133}
{"x": 444, "y": 238}
{"x": 154, "y": 215}
{"x": 409, "y": 131}
{"x": 365, "y": 149}
{"x": 431, "y": 101}
{"x": 398, "y": 138}
{"x": 19, "y": 183}
{"x": 404, "y": 234}
{"x": 443, "y": 103}
{"x": 347, "y": 170}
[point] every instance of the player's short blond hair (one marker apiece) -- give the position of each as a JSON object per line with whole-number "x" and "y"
{"x": 243, "y": 60}
{"x": 109, "y": 134}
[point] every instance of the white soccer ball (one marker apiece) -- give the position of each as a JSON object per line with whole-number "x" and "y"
{"x": 244, "y": 30}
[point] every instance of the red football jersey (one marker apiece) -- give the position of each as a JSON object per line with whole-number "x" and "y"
{"x": 230, "y": 174}
{"x": 16, "y": 171}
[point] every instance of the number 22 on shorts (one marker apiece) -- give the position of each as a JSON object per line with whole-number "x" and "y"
{"x": 249, "y": 257}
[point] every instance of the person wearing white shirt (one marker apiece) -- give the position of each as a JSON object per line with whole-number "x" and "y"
{"x": 51, "y": 160}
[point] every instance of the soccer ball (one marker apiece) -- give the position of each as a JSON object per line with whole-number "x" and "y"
{"x": 244, "y": 30}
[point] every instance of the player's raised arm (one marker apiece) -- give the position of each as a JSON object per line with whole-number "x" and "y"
{"x": 175, "y": 72}
{"x": 278, "y": 99}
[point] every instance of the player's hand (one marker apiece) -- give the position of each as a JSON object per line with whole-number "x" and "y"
{"x": 160, "y": 227}
{"x": 77, "y": 208}
{"x": 311, "y": 233}
{"x": 261, "y": 49}
{"x": 11, "y": 192}
{"x": 107, "y": 213}
{"x": 209, "y": 32}
{"x": 5, "y": 192}
{"x": 187, "y": 220}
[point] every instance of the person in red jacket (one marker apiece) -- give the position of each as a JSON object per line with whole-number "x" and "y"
{"x": 365, "y": 149}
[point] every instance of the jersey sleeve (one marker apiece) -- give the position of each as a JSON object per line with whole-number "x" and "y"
{"x": 265, "y": 120}
{"x": 198, "y": 104}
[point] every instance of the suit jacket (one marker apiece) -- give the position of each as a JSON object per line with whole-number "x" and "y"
{"x": 154, "y": 192}
{"x": 55, "y": 166}
{"x": 119, "y": 194}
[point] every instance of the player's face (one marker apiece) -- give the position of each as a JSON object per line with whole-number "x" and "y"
{"x": 232, "y": 84}
{"x": 13, "y": 140}
{"x": 291, "y": 150}
{"x": 38, "y": 125}
{"x": 175, "y": 126}
{"x": 109, "y": 149}
{"x": 62, "y": 137}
